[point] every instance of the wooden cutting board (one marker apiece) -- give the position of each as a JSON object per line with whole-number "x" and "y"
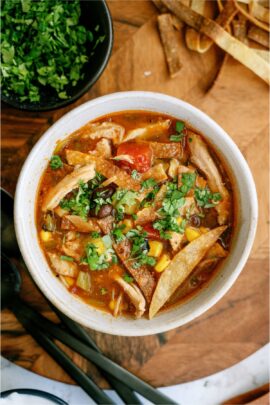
{"x": 238, "y": 324}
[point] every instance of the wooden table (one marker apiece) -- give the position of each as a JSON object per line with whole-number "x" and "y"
{"x": 238, "y": 100}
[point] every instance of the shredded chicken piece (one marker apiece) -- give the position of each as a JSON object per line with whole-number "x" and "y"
{"x": 105, "y": 167}
{"x": 189, "y": 206}
{"x": 108, "y": 130}
{"x": 134, "y": 295}
{"x": 156, "y": 172}
{"x": 200, "y": 156}
{"x": 106, "y": 224}
{"x": 148, "y": 130}
{"x": 126, "y": 158}
{"x": 67, "y": 184}
{"x": 72, "y": 246}
{"x": 103, "y": 149}
{"x": 63, "y": 267}
{"x": 176, "y": 240}
{"x": 83, "y": 226}
{"x": 145, "y": 215}
{"x": 142, "y": 275}
{"x": 118, "y": 305}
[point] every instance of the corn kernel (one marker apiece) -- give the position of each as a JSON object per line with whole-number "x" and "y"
{"x": 162, "y": 263}
{"x": 112, "y": 305}
{"x": 99, "y": 245}
{"x": 69, "y": 280}
{"x": 179, "y": 220}
{"x": 128, "y": 225}
{"x": 203, "y": 229}
{"x": 192, "y": 234}
{"x": 155, "y": 248}
{"x": 45, "y": 236}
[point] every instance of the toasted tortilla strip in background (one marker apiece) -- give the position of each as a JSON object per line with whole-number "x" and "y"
{"x": 67, "y": 184}
{"x": 258, "y": 35}
{"x": 250, "y": 17}
{"x": 105, "y": 167}
{"x": 240, "y": 28}
{"x": 170, "y": 44}
{"x": 166, "y": 150}
{"x": 180, "y": 267}
{"x": 225, "y": 41}
{"x": 260, "y": 12}
{"x": 156, "y": 128}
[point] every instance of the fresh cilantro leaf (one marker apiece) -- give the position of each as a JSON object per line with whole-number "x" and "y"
{"x": 96, "y": 261}
{"x": 121, "y": 198}
{"x": 56, "y": 162}
{"x": 95, "y": 235}
{"x": 67, "y": 258}
{"x": 205, "y": 198}
{"x": 128, "y": 278}
{"x": 179, "y": 126}
{"x": 103, "y": 291}
{"x": 149, "y": 183}
{"x": 117, "y": 233}
{"x": 135, "y": 175}
{"x": 177, "y": 138}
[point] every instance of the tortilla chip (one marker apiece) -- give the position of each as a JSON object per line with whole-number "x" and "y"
{"x": 170, "y": 44}
{"x": 156, "y": 172}
{"x": 258, "y": 11}
{"x": 258, "y": 35}
{"x": 105, "y": 167}
{"x": 180, "y": 267}
{"x": 225, "y": 41}
{"x": 156, "y": 128}
{"x": 167, "y": 150}
{"x": 250, "y": 17}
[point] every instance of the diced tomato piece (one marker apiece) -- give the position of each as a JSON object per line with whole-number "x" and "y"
{"x": 152, "y": 233}
{"x": 141, "y": 155}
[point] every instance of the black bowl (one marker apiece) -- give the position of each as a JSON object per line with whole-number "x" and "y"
{"x": 94, "y": 12}
{"x": 35, "y": 393}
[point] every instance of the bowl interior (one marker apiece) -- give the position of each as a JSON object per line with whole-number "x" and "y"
{"x": 93, "y": 13}
{"x": 26, "y": 229}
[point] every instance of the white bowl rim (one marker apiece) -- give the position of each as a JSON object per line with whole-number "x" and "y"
{"x": 163, "y": 327}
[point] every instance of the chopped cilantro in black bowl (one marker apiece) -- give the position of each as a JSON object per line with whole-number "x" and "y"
{"x": 52, "y": 51}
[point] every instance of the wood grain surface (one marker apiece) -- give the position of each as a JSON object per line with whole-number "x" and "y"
{"x": 238, "y": 324}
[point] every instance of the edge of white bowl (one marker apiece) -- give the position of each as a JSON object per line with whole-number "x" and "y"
{"x": 148, "y": 329}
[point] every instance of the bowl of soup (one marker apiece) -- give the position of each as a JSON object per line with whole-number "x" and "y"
{"x": 135, "y": 213}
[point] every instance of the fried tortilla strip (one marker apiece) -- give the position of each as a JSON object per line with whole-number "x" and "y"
{"x": 200, "y": 42}
{"x": 263, "y": 54}
{"x": 134, "y": 293}
{"x": 201, "y": 158}
{"x": 240, "y": 28}
{"x": 178, "y": 25}
{"x": 157, "y": 128}
{"x": 250, "y": 17}
{"x": 259, "y": 36}
{"x": 156, "y": 172}
{"x": 170, "y": 44}
{"x": 105, "y": 167}
{"x": 67, "y": 184}
{"x": 147, "y": 214}
{"x": 180, "y": 268}
{"x": 162, "y": 150}
{"x": 258, "y": 11}
{"x": 225, "y": 41}
{"x": 107, "y": 130}
{"x": 142, "y": 275}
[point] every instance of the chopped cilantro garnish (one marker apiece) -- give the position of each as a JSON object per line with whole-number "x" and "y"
{"x": 149, "y": 183}
{"x": 121, "y": 198}
{"x": 179, "y": 126}
{"x": 95, "y": 235}
{"x": 56, "y": 162}
{"x": 117, "y": 233}
{"x": 96, "y": 261}
{"x": 128, "y": 278}
{"x": 44, "y": 46}
{"x": 135, "y": 175}
{"x": 103, "y": 291}
{"x": 67, "y": 258}
{"x": 205, "y": 198}
{"x": 139, "y": 248}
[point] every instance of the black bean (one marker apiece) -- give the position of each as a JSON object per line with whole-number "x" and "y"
{"x": 195, "y": 221}
{"x": 104, "y": 211}
{"x": 104, "y": 192}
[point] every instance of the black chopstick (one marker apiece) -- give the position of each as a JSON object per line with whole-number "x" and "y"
{"x": 68, "y": 365}
{"x": 127, "y": 395}
{"x": 100, "y": 360}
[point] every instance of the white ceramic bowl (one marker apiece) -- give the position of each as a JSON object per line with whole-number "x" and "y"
{"x": 26, "y": 193}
